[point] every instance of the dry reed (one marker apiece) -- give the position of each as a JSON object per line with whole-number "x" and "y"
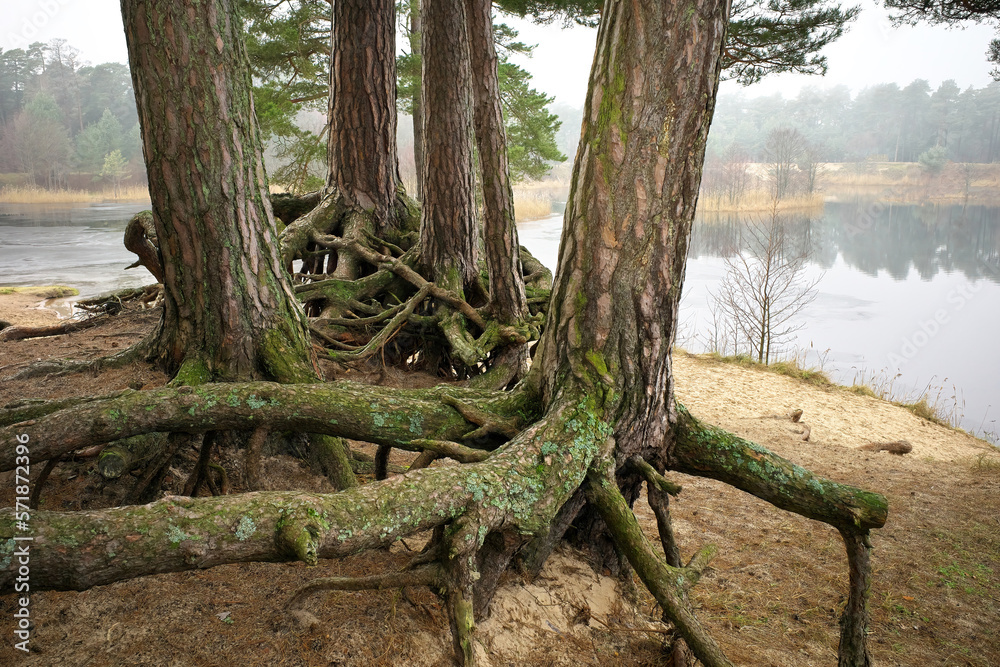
{"x": 758, "y": 201}
{"x": 35, "y": 195}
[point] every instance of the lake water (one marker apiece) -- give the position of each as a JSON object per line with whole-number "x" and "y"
{"x": 907, "y": 295}
{"x": 906, "y": 290}
{"x": 79, "y": 245}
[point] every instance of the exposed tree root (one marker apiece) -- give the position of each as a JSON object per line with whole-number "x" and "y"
{"x": 36, "y": 489}
{"x": 251, "y": 463}
{"x": 660, "y": 578}
{"x": 55, "y": 368}
{"x": 853, "y": 650}
{"x": 357, "y": 411}
{"x": 427, "y": 575}
{"x": 524, "y": 487}
{"x": 125, "y": 455}
{"x": 69, "y": 326}
{"x": 140, "y": 238}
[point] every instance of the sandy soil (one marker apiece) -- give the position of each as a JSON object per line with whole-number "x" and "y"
{"x": 771, "y": 597}
{"x": 26, "y": 310}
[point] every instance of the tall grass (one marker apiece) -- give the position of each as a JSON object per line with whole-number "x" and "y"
{"x": 758, "y": 201}
{"x": 531, "y": 206}
{"x": 35, "y": 195}
{"x": 789, "y": 367}
{"x": 937, "y": 403}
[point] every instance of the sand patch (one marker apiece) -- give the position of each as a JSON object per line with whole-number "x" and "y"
{"x": 26, "y": 309}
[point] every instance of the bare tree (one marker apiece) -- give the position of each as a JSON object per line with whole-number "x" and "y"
{"x": 763, "y": 291}
{"x": 735, "y": 176}
{"x": 810, "y": 167}
{"x": 783, "y": 148}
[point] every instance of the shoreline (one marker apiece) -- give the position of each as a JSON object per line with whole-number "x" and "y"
{"x": 26, "y": 310}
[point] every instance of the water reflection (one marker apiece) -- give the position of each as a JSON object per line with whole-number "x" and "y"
{"x": 870, "y": 237}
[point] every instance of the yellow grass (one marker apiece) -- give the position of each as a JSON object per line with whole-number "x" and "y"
{"x": 907, "y": 182}
{"x": 758, "y": 201}
{"x": 34, "y": 195}
{"x": 530, "y": 206}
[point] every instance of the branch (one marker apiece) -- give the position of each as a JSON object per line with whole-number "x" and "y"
{"x": 356, "y": 411}
{"x": 707, "y": 451}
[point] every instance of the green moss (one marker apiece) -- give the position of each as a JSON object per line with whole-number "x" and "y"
{"x": 193, "y": 372}
{"x": 6, "y": 552}
{"x": 255, "y": 403}
{"x": 176, "y": 535}
{"x": 42, "y": 291}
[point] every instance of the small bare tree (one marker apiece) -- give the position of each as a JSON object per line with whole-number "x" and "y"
{"x": 735, "y": 174}
{"x": 763, "y": 290}
{"x": 783, "y": 148}
{"x": 810, "y": 167}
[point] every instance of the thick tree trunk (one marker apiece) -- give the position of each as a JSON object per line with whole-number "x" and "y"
{"x": 363, "y": 166}
{"x": 613, "y": 311}
{"x": 229, "y": 309}
{"x": 508, "y": 302}
{"x": 448, "y": 229}
{"x": 227, "y": 301}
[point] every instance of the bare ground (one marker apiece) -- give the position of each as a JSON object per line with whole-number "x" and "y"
{"x": 772, "y": 596}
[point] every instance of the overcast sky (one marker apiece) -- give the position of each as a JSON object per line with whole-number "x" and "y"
{"x": 872, "y": 52}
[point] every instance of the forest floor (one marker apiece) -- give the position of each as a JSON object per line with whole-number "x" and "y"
{"x": 771, "y": 597}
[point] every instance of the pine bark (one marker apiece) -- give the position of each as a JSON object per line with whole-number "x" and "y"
{"x": 508, "y": 302}
{"x": 416, "y": 48}
{"x": 363, "y": 162}
{"x": 227, "y": 300}
{"x": 613, "y": 310}
{"x": 448, "y": 228}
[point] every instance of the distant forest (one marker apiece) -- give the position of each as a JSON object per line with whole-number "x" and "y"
{"x": 883, "y": 123}
{"x": 67, "y": 124}
{"x": 63, "y": 123}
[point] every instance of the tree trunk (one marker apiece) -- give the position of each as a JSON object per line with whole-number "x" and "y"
{"x": 228, "y": 306}
{"x": 363, "y": 165}
{"x": 507, "y": 297}
{"x": 229, "y": 309}
{"x": 613, "y": 311}
{"x": 416, "y": 37}
{"x": 448, "y": 229}
{"x": 508, "y": 302}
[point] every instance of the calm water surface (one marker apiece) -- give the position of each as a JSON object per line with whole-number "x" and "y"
{"x": 79, "y": 245}
{"x": 906, "y": 290}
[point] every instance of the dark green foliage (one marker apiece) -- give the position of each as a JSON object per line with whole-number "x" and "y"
{"x": 781, "y": 36}
{"x": 584, "y": 12}
{"x": 764, "y": 37}
{"x": 288, "y": 44}
{"x": 98, "y": 140}
{"x": 107, "y": 87}
{"x": 49, "y": 104}
{"x": 943, "y": 11}
{"x": 531, "y": 128}
{"x": 934, "y": 159}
